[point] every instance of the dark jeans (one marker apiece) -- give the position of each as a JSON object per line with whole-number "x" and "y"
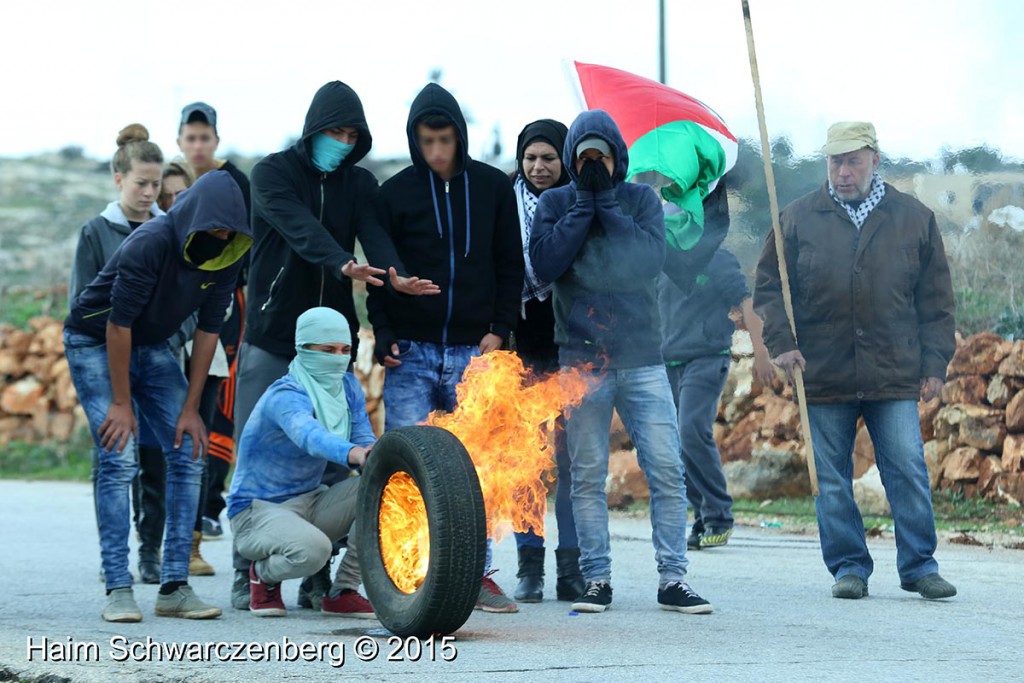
{"x": 696, "y": 389}
{"x": 541, "y": 364}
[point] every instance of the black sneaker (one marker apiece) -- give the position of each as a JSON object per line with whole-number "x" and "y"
{"x": 677, "y": 596}
{"x": 212, "y": 529}
{"x": 714, "y": 538}
{"x": 693, "y": 540}
{"x": 596, "y": 598}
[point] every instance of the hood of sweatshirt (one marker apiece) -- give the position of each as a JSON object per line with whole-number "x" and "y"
{"x": 213, "y": 202}
{"x": 434, "y": 99}
{"x": 596, "y": 124}
{"x": 335, "y": 105}
{"x": 114, "y": 215}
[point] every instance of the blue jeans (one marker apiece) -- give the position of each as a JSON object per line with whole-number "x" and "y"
{"x": 895, "y": 430}
{"x": 423, "y": 383}
{"x": 563, "y": 501}
{"x": 696, "y": 389}
{"x": 158, "y": 389}
{"x": 643, "y": 399}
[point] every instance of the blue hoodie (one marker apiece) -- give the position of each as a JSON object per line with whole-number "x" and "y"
{"x": 603, "y": 252}
{"x": 284, "y": 449}
{"x": 150, "y": 285}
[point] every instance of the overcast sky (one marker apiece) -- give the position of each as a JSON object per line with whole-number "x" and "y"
{"x": 928, "y": 73}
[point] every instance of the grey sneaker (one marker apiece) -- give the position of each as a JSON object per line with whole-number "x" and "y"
{"x": 850, "y": 587}
{"x": 185, "y": 604}
{"x": 931, "y": 587}
{"x": 240, "y": 590}
{"x": 121, "y": 607}
{"x": 492, "y": 598}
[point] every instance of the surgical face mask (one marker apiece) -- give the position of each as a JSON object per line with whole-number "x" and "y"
{"x": 328, "y": 153}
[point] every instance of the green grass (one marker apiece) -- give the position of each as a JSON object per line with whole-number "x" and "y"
{"x": 953, "y": 512}
{"x": 17, "y": 307}
{"x": 53, "y": 462}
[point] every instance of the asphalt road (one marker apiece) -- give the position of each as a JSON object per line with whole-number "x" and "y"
{"x": 775, "y": 619}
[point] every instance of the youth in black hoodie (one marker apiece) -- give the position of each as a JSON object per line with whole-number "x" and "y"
{"x": 461, "y": 233}
{"x": 306, "y": 222}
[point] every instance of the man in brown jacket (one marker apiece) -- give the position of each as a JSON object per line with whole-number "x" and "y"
{"x": 874, "y": 307}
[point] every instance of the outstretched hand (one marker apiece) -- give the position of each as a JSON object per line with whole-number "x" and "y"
{"x": 362, "y": 271}
{"x": 412, "y": 286}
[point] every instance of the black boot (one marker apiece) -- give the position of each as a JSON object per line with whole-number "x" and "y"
{"x": 570, "y": 579}
{"x": 152, "y": 513}
{"x": 531, "y": 575}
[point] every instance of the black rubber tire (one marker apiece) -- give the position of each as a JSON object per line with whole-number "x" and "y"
{"x": 442, "y": 469}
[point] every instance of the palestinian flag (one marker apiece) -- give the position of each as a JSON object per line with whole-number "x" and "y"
{"x": 676, "y": 143}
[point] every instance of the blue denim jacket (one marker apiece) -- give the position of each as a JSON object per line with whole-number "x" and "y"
{"x": 284, "y": 450}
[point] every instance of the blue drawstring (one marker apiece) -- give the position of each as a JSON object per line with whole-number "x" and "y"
{"x": 466, "y": 175}
{"x": 437, "y": 212}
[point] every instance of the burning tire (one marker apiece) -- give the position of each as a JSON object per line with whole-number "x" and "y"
{"x": 421, "y": 508}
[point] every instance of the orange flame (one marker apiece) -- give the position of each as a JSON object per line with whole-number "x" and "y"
{"x": 404, "y": 534}
{"x": 505, "y": 418}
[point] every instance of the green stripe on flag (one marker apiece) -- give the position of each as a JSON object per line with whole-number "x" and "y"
{"x": 685, "y": 153}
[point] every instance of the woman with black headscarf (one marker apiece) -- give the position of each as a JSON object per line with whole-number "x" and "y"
{"x": 539, "y": 168}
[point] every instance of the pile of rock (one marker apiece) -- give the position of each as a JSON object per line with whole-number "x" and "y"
{"x": 37, "y": 399}
{"x": 38, "y": 402}
{"x": 973, "y": 433}
{"x": 976, "y": 444}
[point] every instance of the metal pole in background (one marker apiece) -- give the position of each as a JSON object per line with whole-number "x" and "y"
{"x": 787, "y": 299}
{"x": 662, "y": 75}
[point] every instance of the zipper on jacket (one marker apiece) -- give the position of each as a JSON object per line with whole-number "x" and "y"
{"x": 322, "y": 272}
{"x": 451, "y": 263}
{"x": 270, "y": 293}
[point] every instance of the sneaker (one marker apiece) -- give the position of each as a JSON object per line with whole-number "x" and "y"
{"x": 492, "y": 598}
{"x": 931, "y": 587}
{"x": 212, "y": 529}
{"x": 850, "y": 587}
{"x": 349, "y": 603}
{"x": 315, "y": 588}
{"x": 185, "y": 604}
{"x": 596, "y": 598}
{"x": 677, "y": 596}
{"x": 693, "y": 540}
{"x": 121, "y": 607}
{"x": 713, "y": 538}
{"x": 240, "y": 590}
{"x": 264, "y": 598}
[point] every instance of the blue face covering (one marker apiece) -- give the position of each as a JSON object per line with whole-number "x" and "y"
{"x": 328, "y": 153}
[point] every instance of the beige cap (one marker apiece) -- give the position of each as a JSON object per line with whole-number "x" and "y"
{"x": 849, "y": 136}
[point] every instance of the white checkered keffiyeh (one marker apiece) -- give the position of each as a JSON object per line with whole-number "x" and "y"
{"x": 533, "y": 286}
{"x": 860, "y": 214}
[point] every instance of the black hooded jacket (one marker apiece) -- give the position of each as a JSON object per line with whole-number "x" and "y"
{"x": 151, "y": 284}
{"x": 306, "y": 222}
{"x": 462, "y": 233}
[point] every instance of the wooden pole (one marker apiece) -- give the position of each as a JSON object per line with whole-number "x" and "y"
{"x": 787, "y": 299}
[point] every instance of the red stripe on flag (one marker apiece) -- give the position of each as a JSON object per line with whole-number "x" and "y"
{"x": 639, "y": 105}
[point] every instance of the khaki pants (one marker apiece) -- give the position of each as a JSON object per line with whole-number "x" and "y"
{"x": 293, "y": 539}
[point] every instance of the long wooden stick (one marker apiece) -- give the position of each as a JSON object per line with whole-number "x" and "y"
{"x": 787, "y": 298}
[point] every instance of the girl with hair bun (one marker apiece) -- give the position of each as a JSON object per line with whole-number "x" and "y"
{"x": 137, "y": 168}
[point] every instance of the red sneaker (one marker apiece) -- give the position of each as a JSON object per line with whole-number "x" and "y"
{"x": 349, "y": 604}
{"x": 264, "y": 598}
